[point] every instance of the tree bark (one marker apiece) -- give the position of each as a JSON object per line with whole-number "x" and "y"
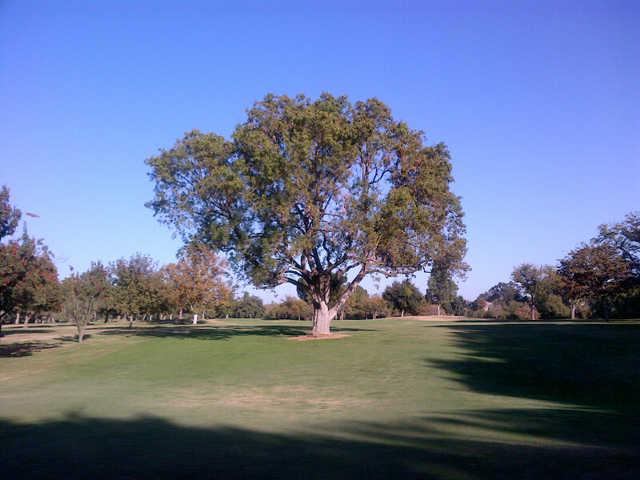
{"x": 322, "y": 317}
{"x": 573, "y": 311}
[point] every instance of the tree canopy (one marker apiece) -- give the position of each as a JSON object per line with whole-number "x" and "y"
{"x": 404, "y": 297}
{"x": 534, "y": 283}
{"x": 197, "y": 280}
{"x": 595, "y": 271}
{"x": 441, "y": 288}
{"x": 9, "y": 215}
{"x": 314, "y": 192}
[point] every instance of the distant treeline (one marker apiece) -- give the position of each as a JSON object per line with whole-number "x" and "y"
{"x": 598, "y": 279}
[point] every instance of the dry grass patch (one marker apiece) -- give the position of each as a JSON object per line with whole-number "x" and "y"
{"x": 263, "y": 398}
{"x": 331, "y": 336}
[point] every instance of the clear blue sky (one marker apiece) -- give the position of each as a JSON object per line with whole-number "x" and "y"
{"x": 539, "y": 103}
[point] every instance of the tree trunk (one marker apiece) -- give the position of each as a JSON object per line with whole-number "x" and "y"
{"x": 195, "y": 318}
{"x": 130, "y": 321}
{"x": 438, "y": 310}
{"x": 180, "y": 315}
{"x": 322, "y": 317}
{"x": 17, "y": 318}
{"x": 401, "y": 313}
{"x": 533, "y": 314}
{"x": 80, "y": 334}
{"x": 573, "y": 311}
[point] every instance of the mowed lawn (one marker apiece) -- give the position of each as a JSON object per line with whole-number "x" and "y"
{"x": 392, "y": 399}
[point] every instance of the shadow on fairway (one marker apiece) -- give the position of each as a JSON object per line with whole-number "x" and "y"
{"x": 595, "y": 366}
{"x": 591, "y": 371}
{"x": 79, "y": 447}
{"x": 24, "y": 349}
{"x": 220, "y": 332}
{"x": 6, "y": 332}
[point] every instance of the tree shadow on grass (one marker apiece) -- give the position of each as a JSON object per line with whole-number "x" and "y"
{"x": 591, "y": 373}
{"x": 219, "y": 332}
{"x": 148, "y": 447}
{"x": 24, "y": 349}
{"x": 6, "y": 332}
{"x": 596, "y": 366}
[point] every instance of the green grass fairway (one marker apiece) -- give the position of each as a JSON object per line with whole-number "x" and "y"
{"x": 392, "y": 399}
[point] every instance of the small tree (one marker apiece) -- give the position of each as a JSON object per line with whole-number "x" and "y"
{"x": 441, "y": 289}
{"x": 314, "y": 193}
{"x": 134, "y": 287}
{"x": 35, "y": 287}
{"x": 248, "y": 306}
{"x": 530, "y": 280}
{"x": 378, "y": 307}
{"x": 595, "y": 271}
{"x": 83, "y": 295}
{"x": 404, "y": 297}
{"x": 358, "y": 304}
{"x": 197, "y": 280}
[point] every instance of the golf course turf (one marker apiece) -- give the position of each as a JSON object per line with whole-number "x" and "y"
{"x": 390, "y": 399}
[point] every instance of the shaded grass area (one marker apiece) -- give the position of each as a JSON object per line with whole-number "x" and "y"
{"x": 395, "y": 399}
{"x": 590, "y": 365}
{"x": 79, "y": 447}
{"x": 221, "y": 332}
{"x": 24, "y": 349}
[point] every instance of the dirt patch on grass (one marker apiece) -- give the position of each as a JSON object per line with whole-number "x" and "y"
{"x": 331, "y": 336}
{"x": 267, "y": 398}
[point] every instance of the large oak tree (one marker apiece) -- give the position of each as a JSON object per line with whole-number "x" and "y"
{"x": 316, "y": 193}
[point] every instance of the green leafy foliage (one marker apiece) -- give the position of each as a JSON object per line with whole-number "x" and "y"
{"x": 596, "y": 272}
{"x": 84, "y": 295}
{"x": 442, "y": 289}
{"x": 404, "y": 297}
{"x": 248, "y": 306}
{"x": 9, "y": 215}
{"x": 28, "y": 278}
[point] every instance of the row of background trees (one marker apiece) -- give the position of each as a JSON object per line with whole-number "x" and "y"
{"x": 600, "y": 278}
